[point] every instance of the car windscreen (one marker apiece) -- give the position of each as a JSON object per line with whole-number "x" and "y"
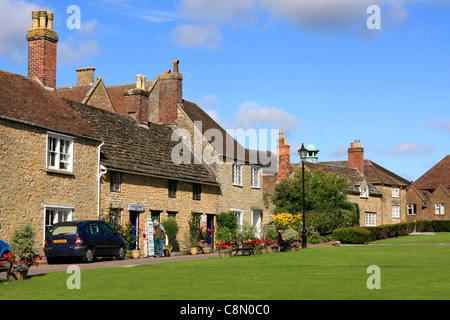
{"x": 63, "y": 229}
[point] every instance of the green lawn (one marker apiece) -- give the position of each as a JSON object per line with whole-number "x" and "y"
{"x": 438, "y": 237}
{"x": 407, "y": 272}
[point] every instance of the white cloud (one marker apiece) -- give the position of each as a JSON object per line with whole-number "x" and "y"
{"x": 218, "y": 11}
{"x": 339, "y": 151}
{"x": 411, "y": 148}
{"x": 15, "y": 21}
{"x": 199, "y": 36}
{"x": 251, "y": 114}
{"x": 69, "y": 53}
{"x": 444, "y": 124}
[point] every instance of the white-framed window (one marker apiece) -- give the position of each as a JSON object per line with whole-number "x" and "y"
{"x": 439, "y": 209}
{"x": 363, "y": 192}
{"x": 395, "y": 212}
{"x": 256, "y": 177}
{"x": 238, "y": 213}
{"x": 371, "y": 219}
{"x": 395, "y": 192}
{"x": 237, "y": 174}
{"x": 364, "y": 189}
{"x": 412, "y": 209}
{"x": 55, "y": 214}
{"x": 59, "y": 152}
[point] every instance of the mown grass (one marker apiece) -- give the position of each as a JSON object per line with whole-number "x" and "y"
{"x": 438, "y": 237}
{"x": 407, "y": 272}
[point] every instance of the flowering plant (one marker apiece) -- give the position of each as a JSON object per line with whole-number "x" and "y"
{"x": 24, "y": 263}
{"x": 223, "y": 245}
{"x": 202, "y": 244}
{"x": 268, "y": 242}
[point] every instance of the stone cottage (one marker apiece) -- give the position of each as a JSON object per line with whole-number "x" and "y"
{"x": 428, "y": 196}
{"x": 379, "y": 193}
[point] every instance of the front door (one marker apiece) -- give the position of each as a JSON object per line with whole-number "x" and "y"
{"x": 256, "y": 220}
{"x": 134, "y": 220}
{"x": 210, "y": 228}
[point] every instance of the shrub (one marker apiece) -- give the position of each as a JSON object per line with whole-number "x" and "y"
{"x": 171, "y": 226}
{"x": 290, "y": 234}
{"x": 390, "y": 230}
{"x": 433, "y": 226}
{"x": 227, "y": 220}
{"x": 224, "y": 234}
{"x": 351, "y": 235}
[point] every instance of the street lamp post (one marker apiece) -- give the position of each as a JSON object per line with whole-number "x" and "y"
{"x": 303, "y": 152}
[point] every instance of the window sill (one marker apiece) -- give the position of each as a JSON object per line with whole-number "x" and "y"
{"x": 237, "y": 185}
{"x": 61, "y": 172}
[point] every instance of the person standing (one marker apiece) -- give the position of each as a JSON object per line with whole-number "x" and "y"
{"x": 160, "y": 234}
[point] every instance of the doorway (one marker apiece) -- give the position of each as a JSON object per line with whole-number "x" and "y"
{"x": 134, "y": 220}
{"x": 210, "y": 228}
{"x": 256, "y": 222}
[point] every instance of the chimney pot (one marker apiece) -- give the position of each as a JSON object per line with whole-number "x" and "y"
{"x": 138, "y": 81}
{"x": 167, "y": 71}
{"x": 35, "y": 17}
{"x": 50, "y": 20}
{"x": 175, "y": 66}
{"x": 42, "y": 19}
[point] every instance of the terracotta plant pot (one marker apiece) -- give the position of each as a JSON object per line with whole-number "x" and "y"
{"x": 194, "y": 250}
{"x": 136, "y": 254}
{"x": 206, "y": 250}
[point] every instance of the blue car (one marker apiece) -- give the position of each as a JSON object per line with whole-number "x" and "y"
{"x": 83, "y": 239}
{"x": 4, "y": 248}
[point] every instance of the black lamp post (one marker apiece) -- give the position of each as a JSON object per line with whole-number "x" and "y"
{"x": 303, "y": 152}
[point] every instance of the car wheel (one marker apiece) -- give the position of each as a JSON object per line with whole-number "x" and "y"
{"x": 88, "y": 255}
{"x": 121, "y": 253}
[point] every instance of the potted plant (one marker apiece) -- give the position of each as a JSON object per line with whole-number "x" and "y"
{"x": 171, "y": 226}
{"x": 22, "y": 253}
{"x": 224, "y": 249}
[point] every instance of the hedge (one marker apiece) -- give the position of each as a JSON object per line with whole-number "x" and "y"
{"x": 351, "y": 235}
{"x": 367, "y": 234}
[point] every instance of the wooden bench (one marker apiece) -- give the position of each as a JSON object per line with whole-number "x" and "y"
{"x": 239, "y": 247}
{"x": 6, "y": 266}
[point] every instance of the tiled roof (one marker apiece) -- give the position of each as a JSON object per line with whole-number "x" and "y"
{"x": 134, "y": 148}
{"x": 24, "y": 99}
{"x": 353, "y": 176}
{"x": 375, "y": 173}
{"x": 439, "y": 174}
{"x": 229, "y": 147}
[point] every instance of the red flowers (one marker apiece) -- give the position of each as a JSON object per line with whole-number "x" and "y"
{"x": 223, "y": 245}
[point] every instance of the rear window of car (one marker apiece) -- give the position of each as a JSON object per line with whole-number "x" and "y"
{"x": 69, "y": 229}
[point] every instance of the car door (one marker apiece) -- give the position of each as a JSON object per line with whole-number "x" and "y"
{"x": 96, "y": 238}
{"x": 112, "y": 241}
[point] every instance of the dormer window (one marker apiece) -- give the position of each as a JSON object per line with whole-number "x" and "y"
{"x": 364, "y": 189}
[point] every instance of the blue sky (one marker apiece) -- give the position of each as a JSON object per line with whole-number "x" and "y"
{"x": 310, "y": 68}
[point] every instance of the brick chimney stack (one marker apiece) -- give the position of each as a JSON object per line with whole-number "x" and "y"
{"x": 42, "y": 40}
{"x": 356, "y": 156}
{"x": 137, "y": 101}
{"x": 284, "y": 158}
{"x": 170, "y": 94}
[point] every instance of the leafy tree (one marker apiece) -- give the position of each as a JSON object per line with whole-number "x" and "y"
{"x": 326, "y": 202}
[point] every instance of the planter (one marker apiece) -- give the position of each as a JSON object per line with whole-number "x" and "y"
{"x": 206, "y": 249}
{"x": 16, "y": 275}
{"x": 167, "y": 252}
{"x": 136, "y": 254}
{"x": 194, "y": 250}
{"x": 270, "y": 249}
{"x": 224, "y": 253}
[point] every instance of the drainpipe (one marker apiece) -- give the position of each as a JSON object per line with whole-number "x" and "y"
{"x": 101, "y": 171}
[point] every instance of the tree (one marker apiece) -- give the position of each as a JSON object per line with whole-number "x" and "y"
{"x": 325, "y": 200}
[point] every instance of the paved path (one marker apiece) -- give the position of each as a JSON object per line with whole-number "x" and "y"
{"x": 106, "y": 263}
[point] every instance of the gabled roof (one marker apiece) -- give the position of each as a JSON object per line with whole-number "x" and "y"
{"x": 134, "y": 148}
{"x": 229, "y": 147}
{"x": 353, "y": 176}
{"x": 437, "y": 175}
{"x": 95, "y": 94}
{"x": 25, "y": 100}
{"x": 375, "y": 173}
